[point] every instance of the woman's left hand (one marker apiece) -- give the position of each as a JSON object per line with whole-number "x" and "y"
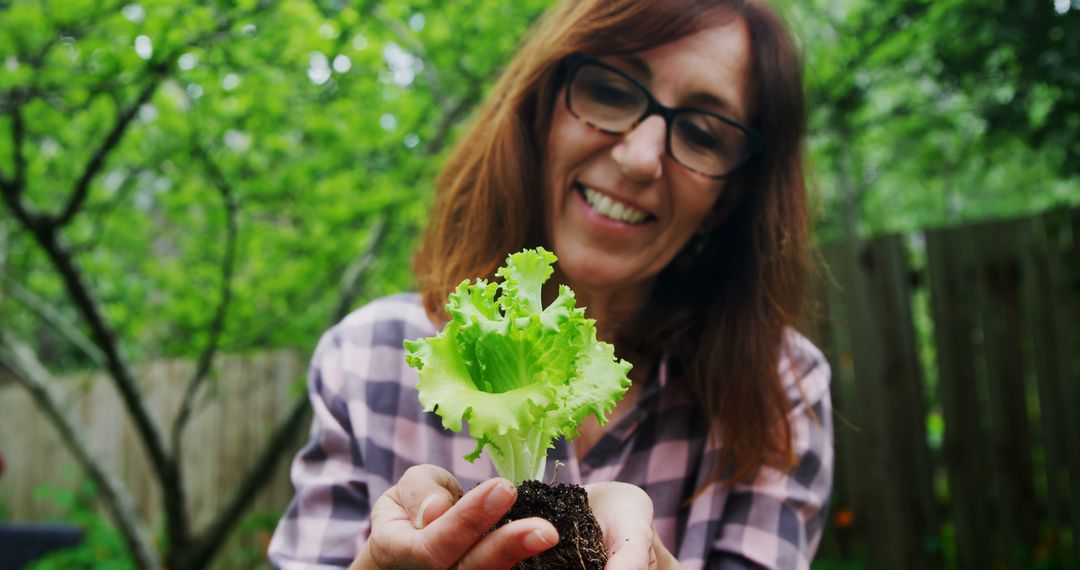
{"x": 625, "y": 514}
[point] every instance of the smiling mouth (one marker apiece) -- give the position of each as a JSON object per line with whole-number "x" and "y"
{"x": 612, "y": 209}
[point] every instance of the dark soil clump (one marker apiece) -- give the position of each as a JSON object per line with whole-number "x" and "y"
{"x": 581, "y": 542}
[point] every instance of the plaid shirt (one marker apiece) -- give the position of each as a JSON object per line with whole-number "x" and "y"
{"x": 368, "y": 428}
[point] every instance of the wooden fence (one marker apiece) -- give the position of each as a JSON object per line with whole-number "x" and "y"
{"x": 975, "y": 329}
{"x": 222, "y": 440}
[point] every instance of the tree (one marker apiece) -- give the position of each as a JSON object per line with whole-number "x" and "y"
{"x": 925, "y": 113}
{"x": 182, "y": 180}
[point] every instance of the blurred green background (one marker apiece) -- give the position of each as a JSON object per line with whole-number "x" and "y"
{"x": 183, "y": 181}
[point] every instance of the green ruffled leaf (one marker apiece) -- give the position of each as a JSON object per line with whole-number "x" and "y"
{"x": 520, "y": 374}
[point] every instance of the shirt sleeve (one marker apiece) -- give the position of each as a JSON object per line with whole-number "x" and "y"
{"x": 776, "y": 520}
{"x": 328, "y": 517}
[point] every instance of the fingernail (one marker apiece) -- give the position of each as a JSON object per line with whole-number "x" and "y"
{"x": 419, "y": 522}
{"x": 500, "y": 498}
{"x": 538, "y": 540}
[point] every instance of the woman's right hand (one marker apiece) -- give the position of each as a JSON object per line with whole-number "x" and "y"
{"x": 425, "y": 522}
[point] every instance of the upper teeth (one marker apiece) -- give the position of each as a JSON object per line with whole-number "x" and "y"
{"x": 609, "y": 208}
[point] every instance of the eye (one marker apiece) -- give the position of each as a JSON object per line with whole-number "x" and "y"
{"x": 698, "y": 134}
{"x": 612, "y": 94}
{"x": 603, "y": 87}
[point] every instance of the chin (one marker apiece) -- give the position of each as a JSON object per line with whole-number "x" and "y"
{"x": 588, "y": 271}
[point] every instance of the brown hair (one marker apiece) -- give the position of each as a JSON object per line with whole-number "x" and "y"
{"x": 721, "y": 309}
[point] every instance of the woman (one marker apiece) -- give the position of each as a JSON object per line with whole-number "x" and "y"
{"x": 655, "y": 147}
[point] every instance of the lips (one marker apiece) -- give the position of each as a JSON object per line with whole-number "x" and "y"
{"x": 611, "y": 208}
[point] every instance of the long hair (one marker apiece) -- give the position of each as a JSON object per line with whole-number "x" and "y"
{"x": 721, "y": 309}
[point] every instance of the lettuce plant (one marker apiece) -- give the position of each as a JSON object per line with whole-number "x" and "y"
{"x": 520, "y": 374}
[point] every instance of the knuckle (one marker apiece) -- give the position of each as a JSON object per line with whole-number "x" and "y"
{"x": 415, "y": 472}
{"x": 474, "y": 523}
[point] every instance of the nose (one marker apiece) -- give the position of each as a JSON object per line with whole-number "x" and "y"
{"x": 640, "y": 153}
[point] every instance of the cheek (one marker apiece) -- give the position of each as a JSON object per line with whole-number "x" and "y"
{"x": 697, "y": 200}
{"x": 556, "y": 164}
{"x": 553, "y": 153}
{"x": 570, "y": 144}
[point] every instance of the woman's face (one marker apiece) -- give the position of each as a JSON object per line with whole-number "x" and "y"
{"x": 618, "y": 208}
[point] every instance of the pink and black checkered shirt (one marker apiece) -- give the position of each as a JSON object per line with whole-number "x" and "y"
{"x": 368, "y": 428}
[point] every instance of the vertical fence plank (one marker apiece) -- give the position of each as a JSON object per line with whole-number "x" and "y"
{"x": 1001, "y": 272}
{"x": 1053, "y": 302}
{"x": 819, "y": 326}
{"x": 854, "y": 431}
{"x": 951, "y": 273}
{"x": 21, "y": 428}
{"x": 289, "y": 368}
{"x": 201, "y": 440}
{"x": 889, "y": 281}
{"x": 229, "y": 444}
{"x": 893, "y": 471}
{"x": 1069, "y": 328}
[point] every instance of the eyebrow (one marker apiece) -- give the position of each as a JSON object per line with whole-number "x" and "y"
{"x": 639, "y": 65}
{"x": 703, "y": 98}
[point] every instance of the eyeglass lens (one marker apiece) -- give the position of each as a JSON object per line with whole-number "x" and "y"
{"x": 611, "y": 102}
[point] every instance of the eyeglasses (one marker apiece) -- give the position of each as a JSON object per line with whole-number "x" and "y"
{"x": 613, "y": 102}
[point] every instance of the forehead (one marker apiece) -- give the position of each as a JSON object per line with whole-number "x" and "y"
{"x": 713, "y": 63}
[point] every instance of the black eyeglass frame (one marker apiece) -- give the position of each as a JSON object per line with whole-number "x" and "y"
{"x": 755, "y": 142}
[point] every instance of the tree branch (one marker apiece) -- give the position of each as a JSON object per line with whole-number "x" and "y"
{"x": 203, "y": 549}
{"x": 18, "y": 142}
{"x": 107, "y": 343}
{"x": 96, "y": 214}
{"x": 210, "y": 541}
{"x": 217, "y": 323}
{"x": 78, "y": 195}
{"x": 10, "y": 194}
{"x": 6, "y": 185}
{"x": 11, "y": 191}
{"x": 54, "y": 319}
{"x": 45, "y": 231}
{"x": 28, "y": 371}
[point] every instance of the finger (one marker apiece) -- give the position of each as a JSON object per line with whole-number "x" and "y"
{"x": 425, "y": 492}
{"x": 632, "y": 553}
{"x": 625, "y": 513}
{"x": 661, "y": 556}
{"x": 451, "y": 535}
{"x": 511, "y": 544}
{"x": 432, "y": 507}
{"x": 422, "y": 493}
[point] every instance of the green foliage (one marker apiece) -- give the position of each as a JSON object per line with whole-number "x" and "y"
{"x": 318, "y": 122}
{"x": 247, "y": 548}
{"x": 102, "y": 547}
{"x": 929, "y": 113}
{"x": 218, "y": 169}
{"x": 837, "y": 564}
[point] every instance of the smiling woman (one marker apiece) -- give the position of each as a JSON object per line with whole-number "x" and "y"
{"x": 655, "y": 147}
{"x": 597, "y": 180}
